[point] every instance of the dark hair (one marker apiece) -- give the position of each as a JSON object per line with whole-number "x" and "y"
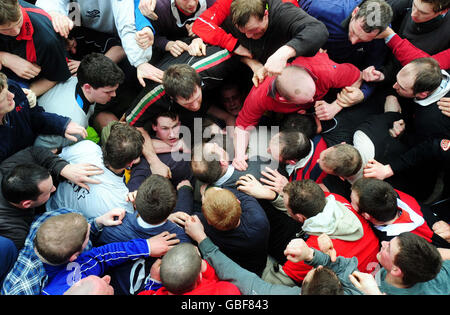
{"x": 169, "y": 114}
{"x": 303, "y": 123}
{"x": 181, "y": 80}
{"x": 242, "y": 10}
{"x": 294, "y": 145}
{"x": 305, "y": 197}
{"x": 418, "y": 260}
{"x": 205, "y": 167}
{"x": 180, "y": 268}
{"x": 323, "y": 282}
{"x": 368, "y": 8}
{"x": 9, "y": 11}
{"x": 438, "y": 5}
{"x": 376, "y": 198}
{"x": 124, "y": 145}
{"x": 429, "y": 75}
{"x": 99, "y": 71}
{"x": 155, "y": 199}
{"x": 22, "y": 182}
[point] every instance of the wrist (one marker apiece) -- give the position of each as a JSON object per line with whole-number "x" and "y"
{"x": 388, "y": 171}
{"x": 310, "y": 255}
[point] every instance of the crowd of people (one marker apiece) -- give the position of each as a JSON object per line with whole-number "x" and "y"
{"x": 224, "y": 147}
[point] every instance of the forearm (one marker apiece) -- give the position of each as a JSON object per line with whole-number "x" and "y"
{"x": 247, "y": 282}
{"x": 241, "y": 140}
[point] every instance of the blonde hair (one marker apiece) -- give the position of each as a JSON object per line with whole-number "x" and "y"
{"x": 221, "y": 209}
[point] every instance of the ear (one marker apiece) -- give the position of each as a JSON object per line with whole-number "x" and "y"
{"x": 154, "y": 127}
{"x": 204, "y": 266}
{"x": 299, "y": 217}
{"x": 422, "y": 95}
{"x": 366, "y": 216}
{"x": 26, "y": 204}
{"x": 224, "y": 163}
{"x": 355, "y": 10}
{"x": 74, "y": 257}
{"x": 87, "y": 87}
{"x": 291, "y": 162}
{"x": 396, "y": 271}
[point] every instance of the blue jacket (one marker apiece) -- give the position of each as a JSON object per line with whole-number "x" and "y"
{"x": 94, "y": 262}
{"x": 131, "y": 277}
{"x": 336, "y": 17}
{"x": 23, "y": 124}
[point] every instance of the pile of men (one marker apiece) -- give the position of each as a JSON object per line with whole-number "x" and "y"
{"x": 224, "y": 147}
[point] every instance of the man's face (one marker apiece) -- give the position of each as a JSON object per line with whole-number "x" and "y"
{"x": 255, "y": 28}
{"x": 405, "y": 82}
{"x": 167, "y": 130}
{"x": 46, "y": 188}
{"x": 103, "y": 95}
{"x": 7, "y": 103}
{"x": 232, "y": 101}
{"x": 194, "y": 102}
{"x": 356, "y": 33}
{"x": 187, "y": 6}
{"x": 387, "y": 253}
{"x": 12, "y": 29}
{"x": 423, "y": 12}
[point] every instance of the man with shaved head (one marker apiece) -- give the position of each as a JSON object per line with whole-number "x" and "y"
{"x": 300, "y": 86}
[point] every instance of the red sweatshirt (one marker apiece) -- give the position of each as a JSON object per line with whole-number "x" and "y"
{"x": 365, "y": 249}
{"x": 210, "y": 285}
{"x": 326, "y": 73}
{"x": 406, "y": 52}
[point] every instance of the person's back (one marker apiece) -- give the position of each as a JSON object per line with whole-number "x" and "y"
{"x": 100, "y": 198}
{"x": 238, "y": 225}
{"x": 155, "y": 200}
{"x": 352, "y": 236}
{"x": 392, "y": 212}
{"x": 122, "y": 149}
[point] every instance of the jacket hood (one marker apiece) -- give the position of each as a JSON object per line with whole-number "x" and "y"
{"x": 337, "y": 221}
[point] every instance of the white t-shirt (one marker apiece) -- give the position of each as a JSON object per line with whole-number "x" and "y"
{"x": 100, "y": 198}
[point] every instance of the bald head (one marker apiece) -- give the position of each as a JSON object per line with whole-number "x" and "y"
{"x": 92, "y": 285}
{"x": 295, "y": 85}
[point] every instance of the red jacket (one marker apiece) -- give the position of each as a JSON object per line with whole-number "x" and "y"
{"x": 365, "y": 249}
{"x": 326, "y": 73}
{"x": 405, "y": 218}
{"x": 312, "y": 169}
{"x": 210, "y": 285}
{"x": 406, "y": 52}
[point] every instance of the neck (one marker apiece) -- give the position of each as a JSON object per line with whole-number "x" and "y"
{"x": 118, "y": 171}
{"x": 1, "y": 119}
{"x": 394, "y": 281}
